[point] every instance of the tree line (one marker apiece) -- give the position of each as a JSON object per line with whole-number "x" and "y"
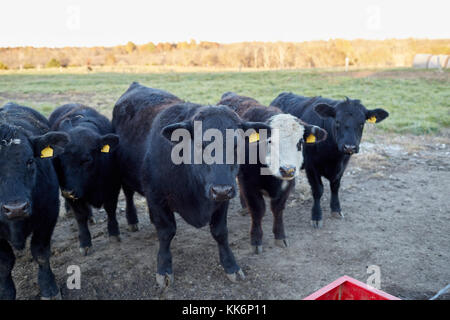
{"x": 310, "y": 54}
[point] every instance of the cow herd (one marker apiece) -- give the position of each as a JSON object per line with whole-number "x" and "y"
{"x": 90, "y": 159}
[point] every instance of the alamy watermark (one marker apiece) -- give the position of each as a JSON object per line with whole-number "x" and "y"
{"x": 373, "y": 21}
{"x": 374, "y": 279}
{"x": 208, "y": 147}
{"x": 73, "y": 21}
{"x": 74, "y": 279}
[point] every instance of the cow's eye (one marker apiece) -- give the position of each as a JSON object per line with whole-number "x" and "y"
{"x": 86, "y": 160}
{"x": 299, "y": 145}
{"x": 30, "y": 162}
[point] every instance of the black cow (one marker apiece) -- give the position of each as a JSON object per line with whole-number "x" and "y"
{"x": 344, "y": 121}
{"x": 253, "y": 185}
{"x": 29, "y": 198}
{"x": 87, "y": 170}
{"x": 145, "y": 119}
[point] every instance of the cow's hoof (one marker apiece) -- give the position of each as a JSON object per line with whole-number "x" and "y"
{"x": 243, "y": 212}
{"x": 257, "y": 249}
{"x": 316, "y": 224}
{"x": 114, "y": 239}
{"x": 282, "y": 243}
{"x": 92, "y": 221}
{"x": 57, "y": 297}
{"x": 337, "y": 214}
{"x": 85, "y": 251}
{"x": 237, "y": 276}
{"x": 133, "y": 227}
{"x": 164, "y": 280}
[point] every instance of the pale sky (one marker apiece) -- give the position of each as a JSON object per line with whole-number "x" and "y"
{"x": 107, "y": 23}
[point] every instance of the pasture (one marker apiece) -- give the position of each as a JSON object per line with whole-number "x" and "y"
{"x": 394, "y": 194}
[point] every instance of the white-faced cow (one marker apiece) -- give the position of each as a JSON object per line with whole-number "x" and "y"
{"x": 29, "y": 196}
{"x": 87, "y": 170}
{"x": 145, "y": 119}
{"x": 283, "y": 166}
{"x": 344, "y": 121}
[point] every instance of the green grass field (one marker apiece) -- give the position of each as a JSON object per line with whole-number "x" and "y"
{"x": 418, "y": 101}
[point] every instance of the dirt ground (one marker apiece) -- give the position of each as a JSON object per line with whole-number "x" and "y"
{"x": 395, "y": 197}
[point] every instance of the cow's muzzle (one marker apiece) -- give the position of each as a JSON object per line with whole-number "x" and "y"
{"x": 16, "y": 210}
{"x": 287, "y": 172}
{"x": 350, "y": 149}
{"x": 221, "y": 192}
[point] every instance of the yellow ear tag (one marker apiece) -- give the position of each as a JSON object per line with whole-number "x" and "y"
{"x": 253, "y": 137}
{"x": 105, "y": 148}
{"x": 372, "y": 119}
{"x": 47, "y": 152}
{"x": 311, "y": 138}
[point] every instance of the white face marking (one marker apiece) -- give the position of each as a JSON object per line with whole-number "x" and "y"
{"x": 283, "y": 152}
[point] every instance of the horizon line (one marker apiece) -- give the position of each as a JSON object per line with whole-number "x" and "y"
{"x": 221, "y": 43}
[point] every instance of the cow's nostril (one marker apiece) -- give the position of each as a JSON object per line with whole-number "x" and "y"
{"x": 16, "y": 210}
{"x": 350, "y": 149}
{"x": 222, "y": 192}
{"x": 287, "y": 171}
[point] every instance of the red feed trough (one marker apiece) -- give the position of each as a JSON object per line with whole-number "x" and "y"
{"x": 347, "y": 288}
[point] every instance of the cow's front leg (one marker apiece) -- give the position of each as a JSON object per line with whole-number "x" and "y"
{"x": 219, "y": 231}
{"x": 317, "y": 190}
{"x": 82, "y": 213}
{"x": 257, "y": 208}
{"x": 7, "y": 259}
{"x": 277, "y": 205}
{"x": 40, "y": 250}
{"x": 131, "y": 213}
{"x": 71, "y": 213}
{"x": 110, "y": 208}
{"x": 243, "y": 211}
{"x": 164, "y": 222}
{"x": 334, "y": 203}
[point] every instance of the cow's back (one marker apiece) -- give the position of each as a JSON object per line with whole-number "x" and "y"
{"x": 239, "y": 104}
{"x": 138, "y": 106}
{"x": 302, "y": 107}
{"x": 132, "y": 120}
{"x": 24, "y": 117}
{"x": 291, "y": 103}
{"x": 80, "y": 114}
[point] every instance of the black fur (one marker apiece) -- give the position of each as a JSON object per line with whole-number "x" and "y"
{"x": 252, "y": 184}
{"x": 88, "y": 177}
{"x": 145, "y": 118}
{"x": 25, "y": 177}
{"x": 344, "y": 122}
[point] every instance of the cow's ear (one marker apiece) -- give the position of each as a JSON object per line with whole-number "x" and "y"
{"x": 50, "y": 144}
{"x": 167, "y": 131}
{"x": 258, "y": 127}
{"x": 325, "y": 110}
{"x": 376, "y": 115}
{"x": 314, "y": 134}
{"x": 108, "y": 142}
